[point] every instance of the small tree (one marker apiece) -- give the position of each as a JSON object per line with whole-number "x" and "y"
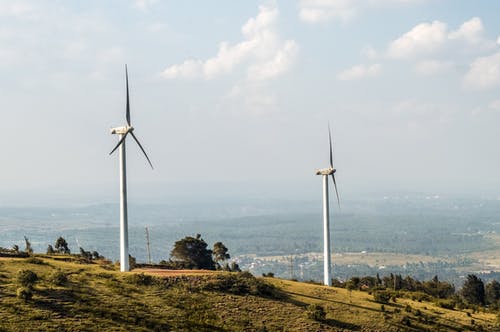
{"x": 62, "y": 246}
{"x": 220, "y": 253}
{"x": 15, "y": 248}
{"x": 492, "y": 292}
{"x": 473, "y": 290}
{"x": 27, "y": 278}
{"x": 50, "y": 250}
{"x": 28, "y": 249}
{"x": 192, "y": 252}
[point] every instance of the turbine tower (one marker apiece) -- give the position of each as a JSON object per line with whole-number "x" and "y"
{"x": 122, "y": 133}
{"x": 326, "y": 172}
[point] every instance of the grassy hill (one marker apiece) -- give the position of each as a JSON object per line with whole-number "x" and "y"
{"x": 98, "y": 297}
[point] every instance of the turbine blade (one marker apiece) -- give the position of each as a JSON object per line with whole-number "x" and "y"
{"x": 331, "y": 147}
{"x": 145, "y": 154}
{"x": 336, "y": 191}
{"x": 119, "y": 143}
{"x": 127, "y": 114}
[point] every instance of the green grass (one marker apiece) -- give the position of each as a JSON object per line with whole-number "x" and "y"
{"x": 98, "y": 297}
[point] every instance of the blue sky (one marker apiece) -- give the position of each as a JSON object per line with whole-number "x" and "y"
{"x": 240, "y": 94}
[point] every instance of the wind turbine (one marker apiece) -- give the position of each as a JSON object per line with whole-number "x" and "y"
{"x": 122, "y": 133}
{"x": 326, "y": 172}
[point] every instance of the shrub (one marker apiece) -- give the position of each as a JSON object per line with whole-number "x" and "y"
{"x": 446, "y": 304}
{"x": 58, "y": 278}
{"x": 316, "y": 312}
{"x": 34, "y": 260}
{"x": 140, "y": 279}
{"x": 406, "y": 321}
{"x": 408, "y": 308}
{"x": 382, "y": 296}
{"x": 24, "y": 293}
{"x": 241, "y": 283}
{"x": 268, "y": 275}
{"x": 26, "y": 278}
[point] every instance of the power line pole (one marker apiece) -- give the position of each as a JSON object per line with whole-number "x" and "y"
{"x": 147, "y": 242}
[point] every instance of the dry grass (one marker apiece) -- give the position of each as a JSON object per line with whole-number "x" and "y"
{"x": 98, "y": 297}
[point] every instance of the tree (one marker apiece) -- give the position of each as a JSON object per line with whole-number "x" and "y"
{"x": 473, "y": 290}
{"x": 219, "y": 253}
{"x": 62, "y": 246}
{"x": 50, "y": 250}
{"x": 492, "y": 292}
{"x": 15, "y": 248}
{"x": 192, "y": 253}
{"x": 29, "y": 249}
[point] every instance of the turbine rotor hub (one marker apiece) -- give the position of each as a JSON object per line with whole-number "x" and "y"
{"x": 121, "y": 130}
{"x": 325, "y": 171}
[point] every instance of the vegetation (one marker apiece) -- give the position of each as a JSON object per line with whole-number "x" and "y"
{"x": 62, "y": 246}
{"x": 69, "y": 295}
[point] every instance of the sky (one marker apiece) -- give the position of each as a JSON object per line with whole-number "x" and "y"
{"x": 233, "y": 98}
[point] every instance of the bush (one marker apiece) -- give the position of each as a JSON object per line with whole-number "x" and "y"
{"x": 24, "y": 293}
{"x": 140, "y": 279}
{"x": 241, "y": 283}
{"x": 26, "y": 278}
{"x": 268, "y": 275}
{"x": 316, "y": 312}
{"x": 446, "y": 304}
{"x": 382, "y": 296}
{"x": 34, "y": 260}
{"x": 58, "y": 278}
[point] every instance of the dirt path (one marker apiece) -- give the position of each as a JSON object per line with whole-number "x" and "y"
{"x": 174, "y": 273}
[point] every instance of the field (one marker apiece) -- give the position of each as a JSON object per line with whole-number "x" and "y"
{"x": 98, "y": 297}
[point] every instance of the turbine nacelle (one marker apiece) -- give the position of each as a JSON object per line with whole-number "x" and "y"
{"x": 326, "y": 171}
{"x": 121, "y": 130}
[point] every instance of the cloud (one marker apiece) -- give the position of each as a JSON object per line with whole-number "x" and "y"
{"x": 359, "y": 72}
{"x": 494, "y": 105}
{"x": 424, "y": 38}
{"x": 144, "y": 4}
{"x": 315, "y": 11}
{"x": 431, "y": 67}
{"x": 263, "y": 52}
{"x": 470, "y": 31}
{"x": 16, "y": 9}
{"x": 429, "y": 38}
{"x": 484, "y": 72}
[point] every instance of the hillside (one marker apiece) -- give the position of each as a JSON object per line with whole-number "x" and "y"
{"x": 98, "y": 297}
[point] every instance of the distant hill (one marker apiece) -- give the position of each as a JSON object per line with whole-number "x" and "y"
{"x": 71, "y": 296}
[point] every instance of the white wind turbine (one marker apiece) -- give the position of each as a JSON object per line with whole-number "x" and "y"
{"x": 122, "y": 133}
{"x": 326, "y": 172}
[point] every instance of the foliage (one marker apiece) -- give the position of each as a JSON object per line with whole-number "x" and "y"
{"x": 268, "y": 275}
{"x": 27, "y": 278}
{"x": 242, "y": 283}
{"x": 62, "y": 246}
{"x": 28, "y": 249}
{"x": 58, "y": 278}
{"x": 34, "y": 260}
{"x": 193, "y": 253}
{"x": 50, "y": 250}
{"x": 382, "y": 296}
{"x": 24, "y": 293}
{"x": 473, "y": 290}
{"x": 492, "y": 292}
{"x": 220, "y": 252}
{"x": 140, "y": 279}
{"x": 316, "y": 312}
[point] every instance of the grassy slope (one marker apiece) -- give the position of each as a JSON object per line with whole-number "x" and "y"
{"x": 96, "y": 298}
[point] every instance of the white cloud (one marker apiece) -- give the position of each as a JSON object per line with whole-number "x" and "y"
{"x": 424, "y": 38}
{"x": 144, "y": 4}
{"x": 314, "y": 11}
{"x": 429, "y": 38}
{"x": 16, "y": 8}
{"x": 431, "y": 67}
{"x": 484, "y": 72}
{"x": 470, "y": 31}
{"x": 494, "y": 105}
{"x": 369, "y": 52}
{"x": 359, "y": 72}
{"x": 265, "y": 54}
